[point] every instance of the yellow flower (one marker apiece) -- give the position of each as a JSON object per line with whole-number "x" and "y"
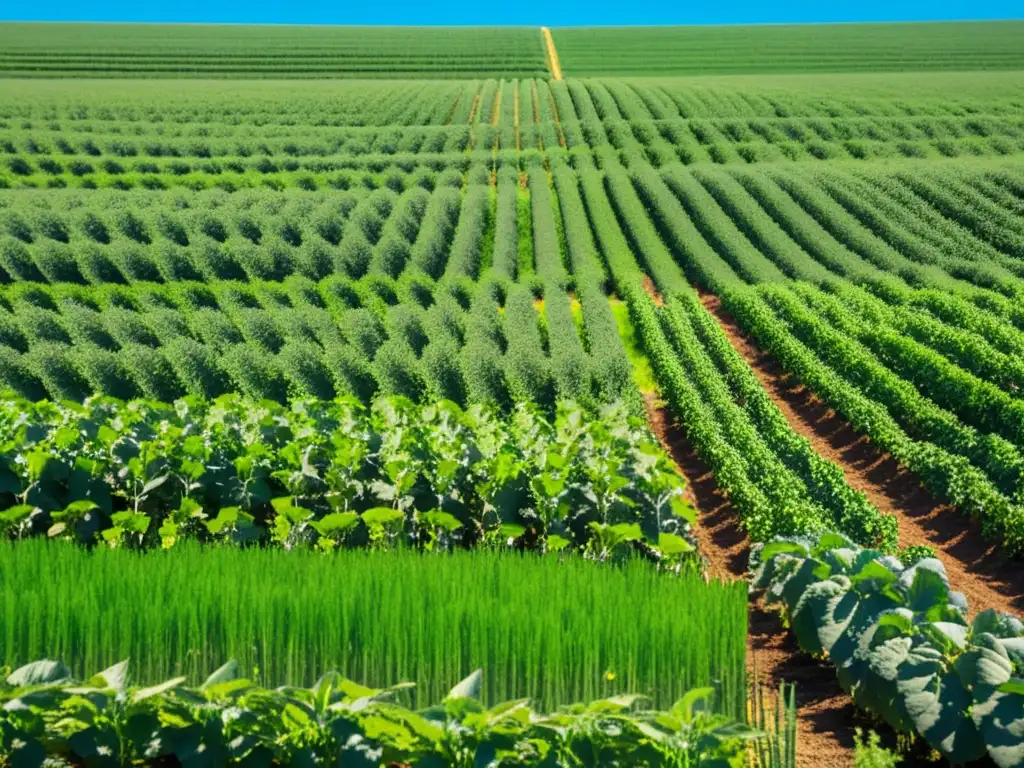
{"x": 609, "y": 675}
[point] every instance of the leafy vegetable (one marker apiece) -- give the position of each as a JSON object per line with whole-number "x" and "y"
{"x": 231, "y": 721}
{"x": 902, "y": 643}
{"x": 330, "y": 474}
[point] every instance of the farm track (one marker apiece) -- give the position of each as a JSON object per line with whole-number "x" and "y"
{"x": 826, "y": 715}
{"x": 975, "y": 566}
{"x": 549, "y": 42}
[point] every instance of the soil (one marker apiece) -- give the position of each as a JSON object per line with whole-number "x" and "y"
{"x": 653, "y": 292}
{"x": 827, "y": 717}
{"x": 976, "y": 567}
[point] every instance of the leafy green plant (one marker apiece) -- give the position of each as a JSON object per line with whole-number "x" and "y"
{"x": 868, "y": 752}
{"x": 913, "y": 554}
{"x": 234, "y": 470}
{"x": 550, "y": 628}
{"x": 902, "y": 644}
{"x": 229, "y": 720}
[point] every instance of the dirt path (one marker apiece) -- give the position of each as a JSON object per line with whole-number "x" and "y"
{"x": 975, "y": 567}
{"x": 473, "y": 108}
{"x": 549, "y": 43}
{"x": 827, "y": 717}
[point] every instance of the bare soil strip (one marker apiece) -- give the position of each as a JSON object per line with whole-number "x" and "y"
{"x": 556, "y": 68}
{"x": 496, "y": 108}
{"x": 975, "y": 566}
{"x": 474, "y": 108}
{"x": 652, "y": 291}
{"x": 826, "y": 715}
{"x": 451, "y": 112}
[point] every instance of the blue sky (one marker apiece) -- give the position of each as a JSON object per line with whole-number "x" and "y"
{"x": 509, "y": 11}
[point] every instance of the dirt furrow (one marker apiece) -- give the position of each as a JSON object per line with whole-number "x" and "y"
{"x": 826, "y": 715}
{"x": 975, "y": 566}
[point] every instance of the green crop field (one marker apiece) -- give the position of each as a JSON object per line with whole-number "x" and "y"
{"x": 167, "y": 50}
{"x": 790, "y": 48}
{"x": 390, "y": 351}
{"x": 552, "y": 631}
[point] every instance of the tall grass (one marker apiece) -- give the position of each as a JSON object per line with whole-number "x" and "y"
{"x": 552, "y": 631}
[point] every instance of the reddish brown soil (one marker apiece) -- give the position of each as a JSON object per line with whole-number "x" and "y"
{"x": 827, "y": 717}
{"x": 975, "y": 566}
{"x": 653, "y": 292}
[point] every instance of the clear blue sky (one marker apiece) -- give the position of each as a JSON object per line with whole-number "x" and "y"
{"x": 530, "y": 12}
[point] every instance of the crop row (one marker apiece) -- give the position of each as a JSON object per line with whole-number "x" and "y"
{"x": 553, "y": 629}
{"x": 918, "y": 434}
{"x": 918, "y": 48}
{"x": 337, "y": 104}
{"x": 370, "y": 721}
{"x": 979, "y": 471}
{"x": 902, "y": 645}
{"x": 928, "y": 388}
{"x": 190, "y": 50}
{"x": 692, "y": 141}
{"x": 338, "y": 336}
{"x": 371, "y": 171}
{"x": 810, "y": 224}
{"x": 74, "y": 151}
{"x": 976, "y": 102}
{"x": 332, "y": 474}
{"x": 457, "y": 150}
{"x": 773, "y": 477}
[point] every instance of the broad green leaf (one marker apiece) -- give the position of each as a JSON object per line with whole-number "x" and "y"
{"x": 27, "y": 753}
{"x": 76, "y": 508}
{"x": 295, "y": 717}
{"x": 115, "y": 677}
{"x": 556, "y": 543}
{"x": 937, "y": 704}
{"x": 997, "y": 624}
{"x": 469, "y": 688}
{"x": 780, "y": 547}
{"x": 670, "y": 544}
{"x": 627, "y": 532}
{"x": 226, "y": 672}
{"x": 382, "y": 516}
{"x": 1015, "y": 685}
{"x": 41, "y": 672}
{"x": 446, "y": 468}
{"x": 985, "y": 663}
{"x": 925, "y": 585}
{"x": 821, "y": 615}
{"x": 336, "y": 523}
{"x": 1000, "y": 720}
{"x": 682, "y": 508}
{"x": 512, "y": 530}
{"x": 36, "y": 463}
{"x": 17, "y": 513}
{"x": 283, "y": 504}
{"x": 556, "y": 460}
{"x": 157, "y": 690}
{"x": 692, "y": 701}
{"x": 439, "y": 519}
{"x": 872, "y": 577}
